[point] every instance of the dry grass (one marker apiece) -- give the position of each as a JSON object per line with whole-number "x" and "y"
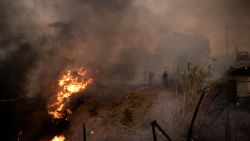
{"x": 192, "y": 81}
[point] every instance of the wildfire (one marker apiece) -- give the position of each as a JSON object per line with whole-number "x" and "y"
{"x": 69, "y": 84}
{"x": 58, "y": 138}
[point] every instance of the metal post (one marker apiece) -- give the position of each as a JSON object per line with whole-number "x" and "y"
{"x": 155, "y": 124}
{"x": 190, "y": 130}
{"x": 84, "y": 132}
{"x": 153, "y": 130}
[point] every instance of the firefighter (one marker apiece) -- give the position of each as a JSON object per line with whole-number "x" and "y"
{"x": 165, "y": 78}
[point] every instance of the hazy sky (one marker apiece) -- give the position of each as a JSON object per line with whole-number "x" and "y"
{"x": 104, "y": 31}
{"x": 145, "y": 22}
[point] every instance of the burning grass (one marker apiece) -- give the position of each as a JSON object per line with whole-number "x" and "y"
{"x": 58, "y": 138}
{"x": 69, "y": 84}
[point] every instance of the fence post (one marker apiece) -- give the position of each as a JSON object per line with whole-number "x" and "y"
{"x": 190, "y": 130}
{"x": 155, "y": 124}
{"x": 153, "y": 130}
{"x": 84, "y": 132}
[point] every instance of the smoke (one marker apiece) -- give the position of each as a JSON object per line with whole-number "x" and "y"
{"x": 119, "y": 38}
{"x": 211, "y": 20}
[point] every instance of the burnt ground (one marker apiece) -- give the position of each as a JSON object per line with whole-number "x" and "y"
{"x": 128, "y": 117}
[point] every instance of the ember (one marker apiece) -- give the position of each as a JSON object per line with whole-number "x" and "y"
{"x": 58, "y": 138}
{"x": 69, "y": 84}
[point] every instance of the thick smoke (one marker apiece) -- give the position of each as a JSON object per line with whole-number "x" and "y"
{"x": 120, "y": 39}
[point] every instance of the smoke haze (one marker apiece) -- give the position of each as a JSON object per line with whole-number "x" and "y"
{"x": 118, "y": 38}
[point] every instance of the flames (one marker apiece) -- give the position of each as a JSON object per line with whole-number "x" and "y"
{"x": 69, "y": 84}
{"x": 58, "y": 138}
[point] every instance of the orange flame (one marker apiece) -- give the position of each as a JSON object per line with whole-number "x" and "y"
{"x": 58, "y": 138}
{"x": 69, "y": 84}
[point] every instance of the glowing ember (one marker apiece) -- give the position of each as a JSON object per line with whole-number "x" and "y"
{"x": 70, "y": 83}
{"x": 58, "y": 138}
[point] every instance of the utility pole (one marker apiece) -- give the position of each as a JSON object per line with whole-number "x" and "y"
{"x": 228, "y": 126}
{"x": 226, "y": 39}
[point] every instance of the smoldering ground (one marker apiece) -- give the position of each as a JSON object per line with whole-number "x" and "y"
{"x": 120, "y": 39}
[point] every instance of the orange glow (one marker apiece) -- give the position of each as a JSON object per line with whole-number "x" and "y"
{"x": 58, "y": 138}
{"x": 69, "y": 84}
